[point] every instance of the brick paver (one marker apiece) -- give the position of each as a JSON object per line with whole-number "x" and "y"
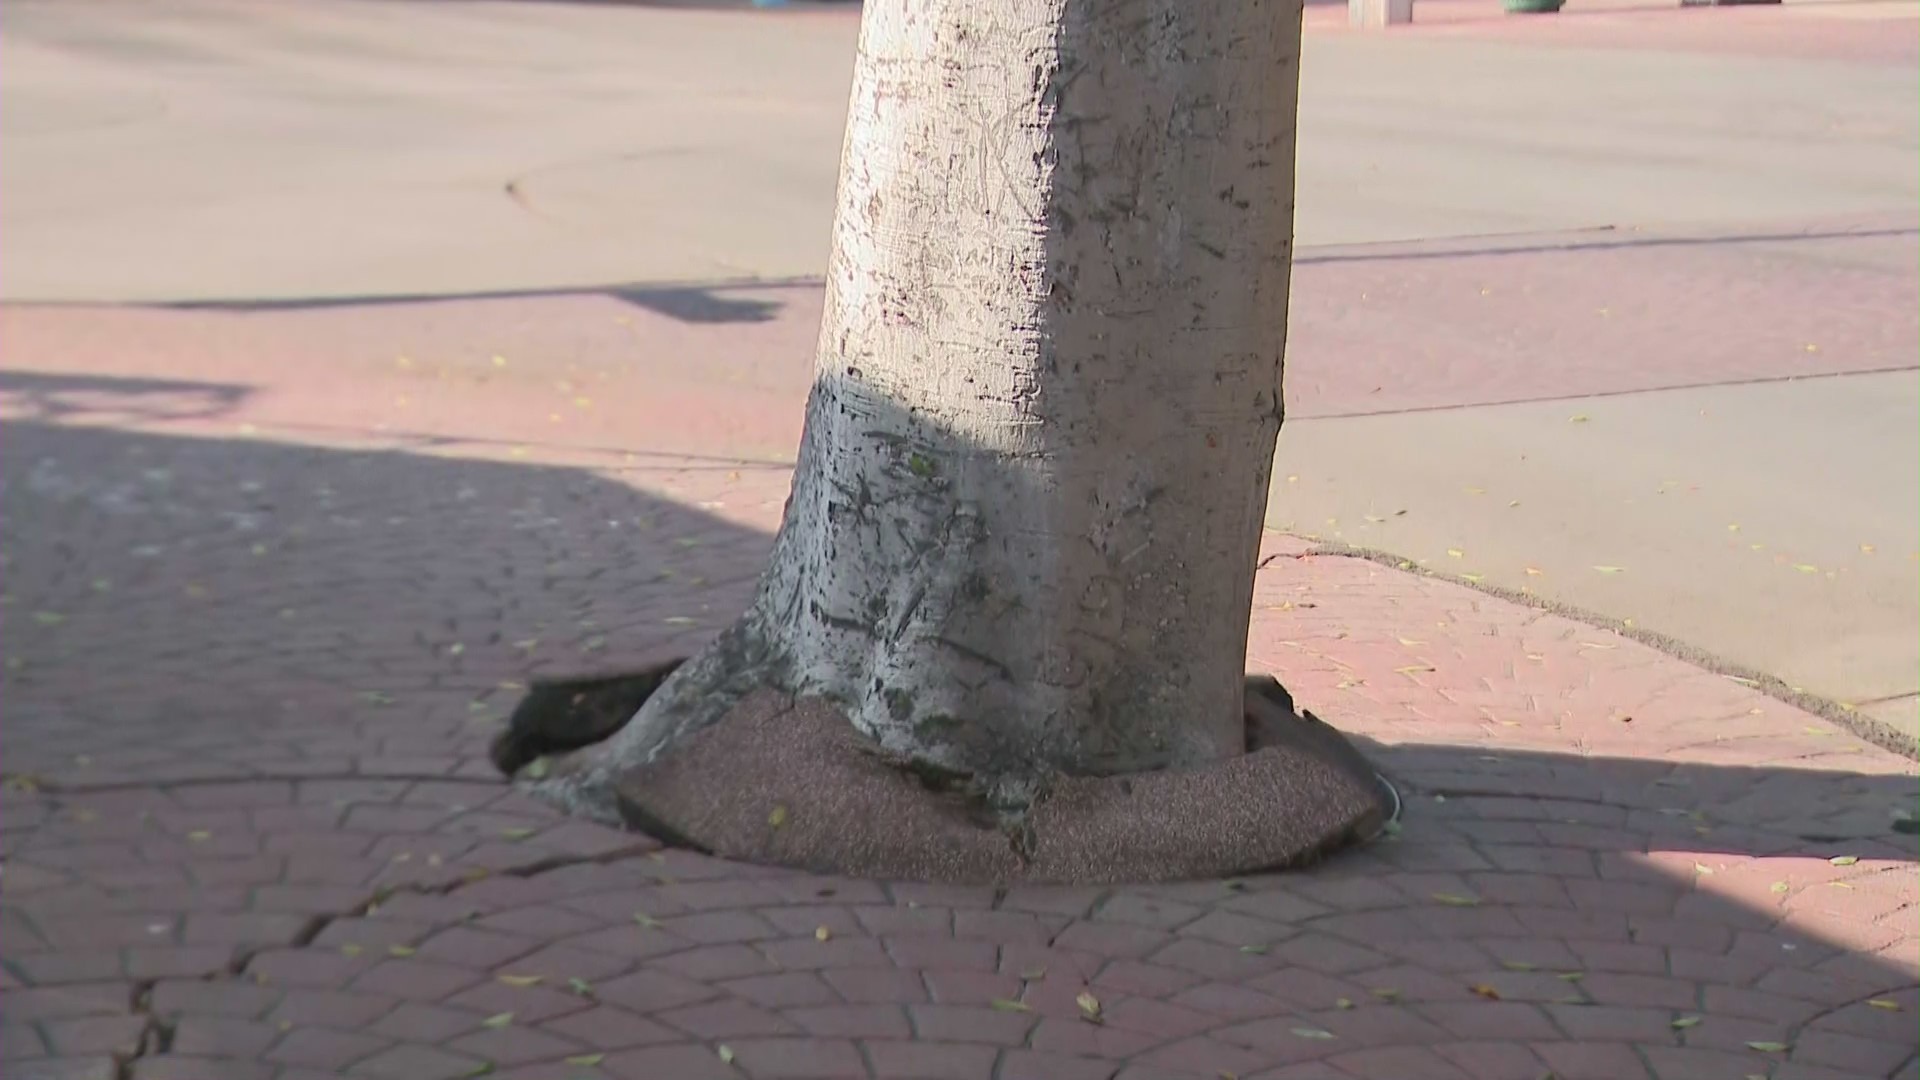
{"x": 254, "y": 646}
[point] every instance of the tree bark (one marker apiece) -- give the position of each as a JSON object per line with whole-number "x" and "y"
{"x": 1027, "y": 507}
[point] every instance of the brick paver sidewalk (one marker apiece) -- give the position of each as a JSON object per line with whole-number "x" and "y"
{"x": 249, "y": 831}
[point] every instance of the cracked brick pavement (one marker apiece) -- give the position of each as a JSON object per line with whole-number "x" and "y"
{"x": 256, "y": 639}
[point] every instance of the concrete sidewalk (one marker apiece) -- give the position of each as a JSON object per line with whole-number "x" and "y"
{"x": 1713, "y": 434}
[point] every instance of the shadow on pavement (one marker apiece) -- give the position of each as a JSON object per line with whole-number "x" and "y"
{"x": 199, "y": 610}
{"x": 190, "y": 608}
{"x": 162, "y": 588}
{"x": 702, "y": 303}
{"x": 52, "y": 398}
{"x": 710, "y": 302}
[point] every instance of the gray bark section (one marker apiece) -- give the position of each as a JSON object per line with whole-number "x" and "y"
{"x": 1028, "y": 502}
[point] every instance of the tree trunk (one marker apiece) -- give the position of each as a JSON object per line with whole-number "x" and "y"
{"x": 1027, "y": 508}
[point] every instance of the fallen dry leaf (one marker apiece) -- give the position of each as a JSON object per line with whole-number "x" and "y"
{"x": 497, "y": 1020}
{"x": 521, "y": 980}
{"x": 1089, "y": 1006}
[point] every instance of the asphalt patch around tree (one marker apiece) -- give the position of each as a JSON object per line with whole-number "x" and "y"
{"x": 788, "y": 781}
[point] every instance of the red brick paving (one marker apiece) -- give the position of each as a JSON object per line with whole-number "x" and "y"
{"x": 254, "y": 647}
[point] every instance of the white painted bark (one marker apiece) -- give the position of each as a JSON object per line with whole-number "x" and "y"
{"x": 1028, "y": 502}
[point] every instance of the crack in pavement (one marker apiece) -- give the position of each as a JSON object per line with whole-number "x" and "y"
{"x": 157, "y": 1034}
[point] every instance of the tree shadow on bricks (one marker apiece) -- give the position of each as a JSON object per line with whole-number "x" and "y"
{"x": 202, "y": 610}
{"x": 183, "y": 608}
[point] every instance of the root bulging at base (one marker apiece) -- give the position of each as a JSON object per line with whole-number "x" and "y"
{"x": 788, "y": 781}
